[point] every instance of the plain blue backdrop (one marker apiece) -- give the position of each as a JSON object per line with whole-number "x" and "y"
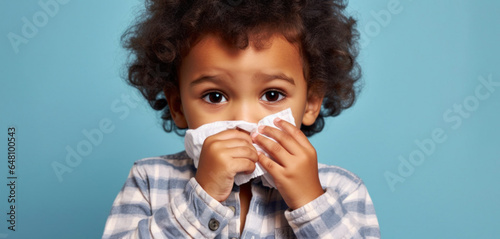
{"x": 423, "y": 135}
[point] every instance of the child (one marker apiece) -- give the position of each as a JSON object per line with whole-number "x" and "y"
{"x": 201, "y": 62}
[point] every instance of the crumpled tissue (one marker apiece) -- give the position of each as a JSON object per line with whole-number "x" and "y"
{"x": 194, "y": 139}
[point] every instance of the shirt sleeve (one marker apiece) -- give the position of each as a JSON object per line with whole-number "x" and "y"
{"x": 336, "y": 215}
{"x": 190, "y": 214}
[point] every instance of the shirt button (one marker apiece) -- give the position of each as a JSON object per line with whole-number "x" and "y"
{"x": 232, "y": 208}
{"x": 213, "y": 224}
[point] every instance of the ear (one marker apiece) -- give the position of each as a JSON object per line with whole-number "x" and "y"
{"x": 173, "y": 97}
{"x": 313, "y": 108}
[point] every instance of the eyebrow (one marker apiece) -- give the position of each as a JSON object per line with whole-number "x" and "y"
{"x": 280, "y": 76}
{"x": 205, "y": 78}
{"x": 261, "y": 76}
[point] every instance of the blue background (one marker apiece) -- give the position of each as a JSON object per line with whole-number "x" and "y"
{"x": 417, "y": 64}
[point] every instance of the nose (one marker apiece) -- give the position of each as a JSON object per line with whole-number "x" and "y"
{"x": 245, "y": 111}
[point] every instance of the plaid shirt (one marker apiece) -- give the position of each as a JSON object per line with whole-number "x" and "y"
{"x": 161, "y": 199}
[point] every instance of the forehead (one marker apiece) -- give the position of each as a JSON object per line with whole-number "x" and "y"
{"x": 212, "y": 55}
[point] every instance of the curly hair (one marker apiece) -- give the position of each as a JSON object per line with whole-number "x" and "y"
{"x": 167, "y": 29}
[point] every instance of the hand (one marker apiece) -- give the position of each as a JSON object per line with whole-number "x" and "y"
{"x": 295, "y": 165}
{"x": 223, "y": 155}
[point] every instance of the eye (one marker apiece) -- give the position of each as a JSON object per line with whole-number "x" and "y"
{"x": 214, "y": 97}
{"x": 272, "y": 96}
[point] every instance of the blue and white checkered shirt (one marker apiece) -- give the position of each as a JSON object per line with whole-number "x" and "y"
{"x": 161, "y": 199}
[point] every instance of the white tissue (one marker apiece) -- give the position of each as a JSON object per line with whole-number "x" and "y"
{"x": 193, "y": 142}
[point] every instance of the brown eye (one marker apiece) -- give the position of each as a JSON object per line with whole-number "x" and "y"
{"x": 272, "y": 96}
{"x": 214, "y": 98}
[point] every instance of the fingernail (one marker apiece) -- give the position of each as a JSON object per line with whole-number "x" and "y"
{"x": 277, "y": 120}
{"x": 254, "y": 134}
{"x": 261, "y": 128}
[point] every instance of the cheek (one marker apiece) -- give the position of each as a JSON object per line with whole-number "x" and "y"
{"x": 299, "y": 108}
{"x": 298, "y": 113}
{"x": 196, "y": 117}
{"x": 192, "y": 116}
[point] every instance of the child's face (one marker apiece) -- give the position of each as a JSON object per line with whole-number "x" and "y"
{"x": 219, "y": 83}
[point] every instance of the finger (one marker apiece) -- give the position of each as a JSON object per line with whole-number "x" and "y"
{"x": 230, "y": 143}
{"x": 293, "y": 131}
{"x": 242, "y": 165}
{"x": 277, "y": 152}
{"x": 282, "y": 137}
{"x": 231, "y": 134}
{"x": 249, "y": 153}
{"x": 270, "y": 165}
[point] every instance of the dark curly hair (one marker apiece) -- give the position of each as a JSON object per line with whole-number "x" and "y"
{"x": 167, "y": 29}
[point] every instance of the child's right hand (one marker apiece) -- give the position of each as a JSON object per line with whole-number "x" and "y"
{"x": 223, "y": 155}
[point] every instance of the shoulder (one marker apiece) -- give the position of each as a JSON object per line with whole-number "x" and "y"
{"x": 342, "y": 180}
{"x": 173, "y": 164}
{"x": 174, "y": 160}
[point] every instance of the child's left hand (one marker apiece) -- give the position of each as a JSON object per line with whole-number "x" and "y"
{"x": 295, "y": 168}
